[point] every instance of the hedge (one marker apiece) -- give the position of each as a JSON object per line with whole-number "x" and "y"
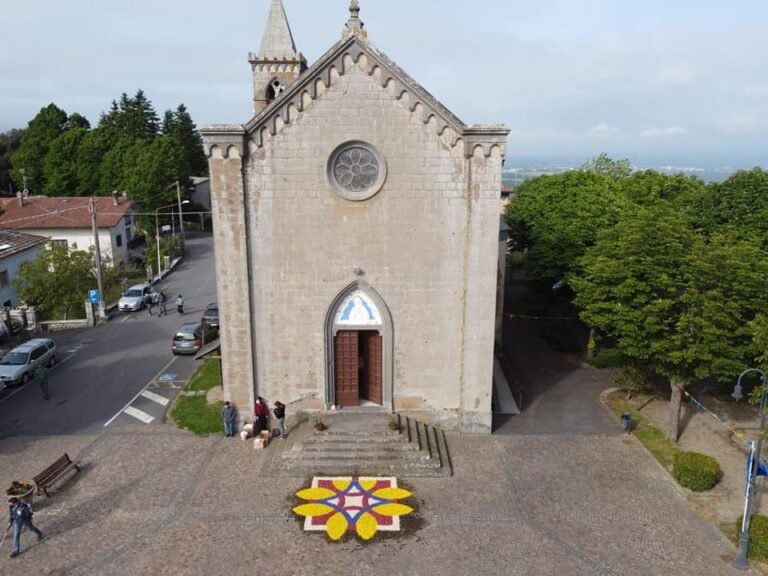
{"x": 758, "y": 536}
{"x": 697, "y": 472}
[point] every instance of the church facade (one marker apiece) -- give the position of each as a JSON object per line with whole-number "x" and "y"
{"x": 356, "y": 231}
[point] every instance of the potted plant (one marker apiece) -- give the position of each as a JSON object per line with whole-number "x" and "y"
{"x": 393, "y": 424}
{"x": 22, "y": 490}
{"x": 319, "y": 424}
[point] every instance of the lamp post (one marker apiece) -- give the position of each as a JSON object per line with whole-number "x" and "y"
{"x": 178, "y": 200}
{"x": 157, "y": 229}
{"x": 741, "y": 562}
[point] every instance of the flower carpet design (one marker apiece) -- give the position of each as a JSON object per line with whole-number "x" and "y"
{"x": 354, "y": 504}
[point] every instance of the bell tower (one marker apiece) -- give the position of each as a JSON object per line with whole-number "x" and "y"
{"x": 277, "y": 64}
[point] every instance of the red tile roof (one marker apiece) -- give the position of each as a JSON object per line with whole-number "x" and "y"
{"x": 51, "y": 212}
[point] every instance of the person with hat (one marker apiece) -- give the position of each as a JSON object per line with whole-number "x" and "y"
{"x": 20, "y": 518}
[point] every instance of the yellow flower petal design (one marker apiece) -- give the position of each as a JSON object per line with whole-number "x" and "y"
{"x": 341, "y": 485}
{"x": 366, "y": 526}
{"x": 315, "y": 494}
{"x": 367, "y": 484}
{"x": 313, "y": 510}
{"x": 392, "y": 493}
{"x": 336, "y": 526}
{"x": 393, "y": 509}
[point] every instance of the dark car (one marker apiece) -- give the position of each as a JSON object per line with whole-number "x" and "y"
{"x": 191, "y": 337}
{"x": 211, "y": 315}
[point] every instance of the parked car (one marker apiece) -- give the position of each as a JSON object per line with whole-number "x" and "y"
{"x": 19, "y": 365}
{"x": 191, "y": 337}
{"x": 211, "y": 315}
{"x": 133, "y": 299}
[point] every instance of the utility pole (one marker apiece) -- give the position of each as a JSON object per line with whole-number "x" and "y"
{"x": 181, "y": 220}
{"x": 97, "y": 253}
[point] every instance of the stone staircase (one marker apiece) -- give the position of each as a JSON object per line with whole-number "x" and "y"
{"x": 360, "y": 444}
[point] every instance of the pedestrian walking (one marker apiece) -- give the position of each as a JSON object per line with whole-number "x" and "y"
{"x": 149, "y": 301}
{"x": 180, "y": 305}
{"x": 20, "y": 518}
{"x": 41, "y": 375}
{"x": 279, "y": 412}
{"x": 228, "y": 415}
{"x": 161, "y": 299}
{"x": 262, "y": 415}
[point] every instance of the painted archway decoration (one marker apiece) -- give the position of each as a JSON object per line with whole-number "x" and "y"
{"x": 358, "y": 309}
{"x": 353, "y": 505}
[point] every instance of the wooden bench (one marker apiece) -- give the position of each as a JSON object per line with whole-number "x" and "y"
{"x": 54, "y": 473}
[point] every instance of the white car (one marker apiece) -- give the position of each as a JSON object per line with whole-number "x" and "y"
{"x": 133, "y": 299}
{"x": 19, "y": 365}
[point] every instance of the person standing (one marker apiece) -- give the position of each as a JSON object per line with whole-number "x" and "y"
{"x": 161, "y": 299}
{"x": 180, "y": 305}
{"x": 228, "y": 416}
{"x": 20, "y": 518}
{"x": 279, "y": 412}
{"x": 41, "y": 375}
{"x": 149, "y": 301}
{"x": 262, "y": 415}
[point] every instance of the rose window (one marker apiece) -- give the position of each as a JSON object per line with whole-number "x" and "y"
{"x": 356, "y": 170}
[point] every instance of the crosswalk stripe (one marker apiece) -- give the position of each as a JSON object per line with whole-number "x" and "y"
{"x": 162, "y": 400}
{"x": 138, "y": 414}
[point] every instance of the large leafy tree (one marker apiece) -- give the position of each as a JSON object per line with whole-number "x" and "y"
{"x": 556, "y": 218}
{"x": 9, "y": 143}
{"x": 42, "y": 130}
{"x": 60, "y": 167}
{"x": 673, "y": 298}
{"x": 57, "y": 281}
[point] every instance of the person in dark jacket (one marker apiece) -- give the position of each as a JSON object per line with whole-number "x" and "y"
{"x": 279, "y": 412}
{"x": 228, "y": 415}
{"x": 262, "y": 415}
{"x": 20, "y": 518}
{"x": 161, "y": 299}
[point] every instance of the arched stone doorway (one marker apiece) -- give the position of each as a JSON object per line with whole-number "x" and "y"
{"x": 358, "y": 349}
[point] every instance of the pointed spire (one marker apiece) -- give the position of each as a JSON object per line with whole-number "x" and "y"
{"x": 277, "y": 42}
{"x": 354, "y": 26}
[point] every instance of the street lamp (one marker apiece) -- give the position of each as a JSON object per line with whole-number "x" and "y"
{"x": 741, "y": 561}
{"x": 157, "y": 229}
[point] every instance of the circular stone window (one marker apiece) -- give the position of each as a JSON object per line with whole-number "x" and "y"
{"x": 357, "y": 170}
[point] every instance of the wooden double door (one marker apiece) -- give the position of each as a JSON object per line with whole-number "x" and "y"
{"x": 358, "y": 367}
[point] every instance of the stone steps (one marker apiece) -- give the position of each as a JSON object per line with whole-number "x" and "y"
{"x": 361, "y": 444}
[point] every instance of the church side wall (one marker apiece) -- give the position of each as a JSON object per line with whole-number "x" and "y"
{"x": 232, "y": 277}
{"x": 409, "y": 240}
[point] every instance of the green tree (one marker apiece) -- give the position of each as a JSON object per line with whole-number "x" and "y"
{"x": 674, "y": 298}
{"x": 60, "y": 168}
{"x": 57, "y": 281}
{"x": 132, "y": 117}
{"x": 603, "y": 164}
{"x": 90, "y": 155}
{"x": 42, "y": 130}
{"x": 179, "y": 124}
{"x": 759, "y": 328}
{"x": 556, "y": 218}
{"x": 9, "y": 143}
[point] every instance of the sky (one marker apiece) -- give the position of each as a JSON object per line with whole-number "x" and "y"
{"x": 672, "y": 82}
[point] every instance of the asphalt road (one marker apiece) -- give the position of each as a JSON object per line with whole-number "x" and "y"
{"x": 102, "y": 371}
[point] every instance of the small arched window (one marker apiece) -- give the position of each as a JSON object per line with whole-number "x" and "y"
{"x": 274, "y": 89}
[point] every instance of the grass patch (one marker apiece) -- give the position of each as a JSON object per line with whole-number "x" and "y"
{"x": 652, "y": 438}
{"x": 193, "y": 413}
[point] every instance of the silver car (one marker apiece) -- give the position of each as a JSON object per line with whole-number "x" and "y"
{"x": 133, "y": 299}
{"x": 19, "y": 365}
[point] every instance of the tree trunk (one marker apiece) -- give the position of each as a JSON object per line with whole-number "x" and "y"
{"x": 674, "y": 411}
{"x": 591, "y": 344}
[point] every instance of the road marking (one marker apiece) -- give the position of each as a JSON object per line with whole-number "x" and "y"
{"x": 124, "y": 408}
{"x": 136, "y": 413}
{"x": 169, "y": 377}
{"x": 162, "y": 400}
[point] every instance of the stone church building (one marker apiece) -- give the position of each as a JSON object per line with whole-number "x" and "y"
{"x": 356, "y": 229}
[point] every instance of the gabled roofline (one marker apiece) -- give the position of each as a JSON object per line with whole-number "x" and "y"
{"x": 333, "y": 59}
